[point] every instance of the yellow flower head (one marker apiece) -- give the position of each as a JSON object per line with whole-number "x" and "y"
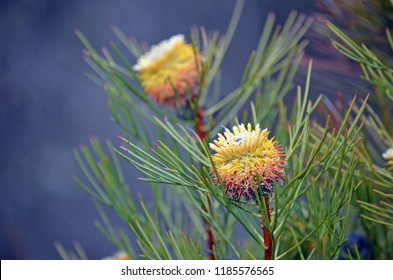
{"x": 244, "y": 155}
{"x": 388, "y": 155}
{"x": 169, "y": 70}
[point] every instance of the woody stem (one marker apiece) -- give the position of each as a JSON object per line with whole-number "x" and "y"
{"x": 200, "y": 130}
{"x": 199, "y": 127}
{"x": 266, "y": 234}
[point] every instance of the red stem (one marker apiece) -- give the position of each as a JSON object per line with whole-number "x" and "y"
{"x": 199, "y": 124}
{"x": 266, "y": 234}
{"x": 210, "y": 239}
{"x": 202, "y": 134}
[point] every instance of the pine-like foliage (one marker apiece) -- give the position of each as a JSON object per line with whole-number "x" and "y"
{"x": 337, "y": 184}
{"x": 376, "y": 197}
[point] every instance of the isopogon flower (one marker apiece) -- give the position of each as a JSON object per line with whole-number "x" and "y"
{"x": 244, "y": 155}
{"x": 388, "y": 155}
{"x": 169, "y": 70}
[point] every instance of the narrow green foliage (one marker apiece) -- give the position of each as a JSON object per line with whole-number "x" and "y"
{"x": 374, "y": 198}
{"x": 335, "y": 179}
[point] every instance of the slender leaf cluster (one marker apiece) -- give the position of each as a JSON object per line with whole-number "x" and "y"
{"x": 375, "y": 198}
{"x": 335, "y": 180}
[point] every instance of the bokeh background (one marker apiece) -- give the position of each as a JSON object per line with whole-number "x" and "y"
{"x": 48, "y": 107}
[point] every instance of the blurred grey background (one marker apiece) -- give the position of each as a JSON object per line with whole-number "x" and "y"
{"x": 48, "y": 107}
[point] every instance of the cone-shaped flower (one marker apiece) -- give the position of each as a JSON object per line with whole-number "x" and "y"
{"x": 169, "y": 71}
{"x": 245, "y": 157}
{"x": 388, "y": 155}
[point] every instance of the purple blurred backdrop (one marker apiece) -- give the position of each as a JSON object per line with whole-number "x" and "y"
{"x": 48, "y": 107}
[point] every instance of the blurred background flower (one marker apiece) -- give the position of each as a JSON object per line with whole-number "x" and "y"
{"x": 388, "y": 156}
{"x": 355, "y": 246}
{"x": 169, "y": 71}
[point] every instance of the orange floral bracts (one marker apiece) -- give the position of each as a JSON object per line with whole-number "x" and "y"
{"x": 169, "y": 71}
{"x": 244, "y": 158}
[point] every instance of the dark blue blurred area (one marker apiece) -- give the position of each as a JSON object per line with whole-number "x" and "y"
{"x": 48, "y": 107}
{"x": 356, "y": 245}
